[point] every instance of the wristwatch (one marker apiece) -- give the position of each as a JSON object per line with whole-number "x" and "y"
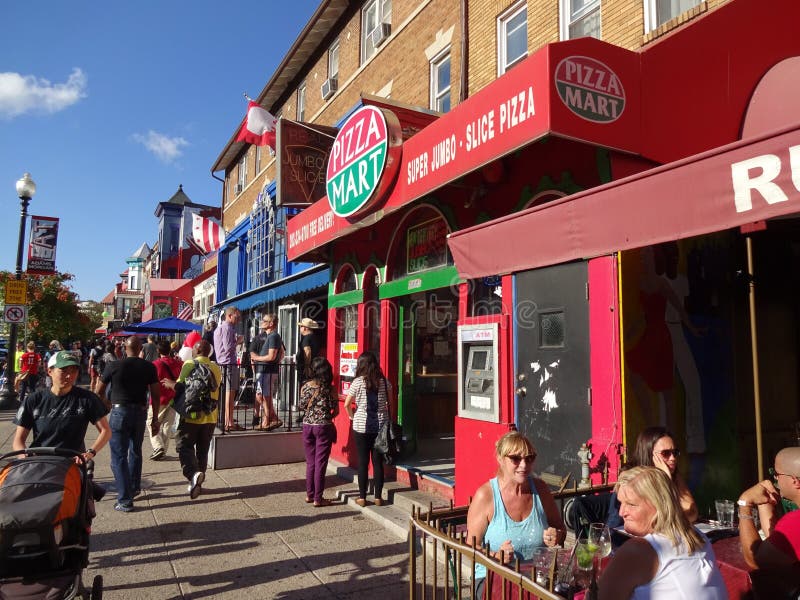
{"x": 92, "y": 451}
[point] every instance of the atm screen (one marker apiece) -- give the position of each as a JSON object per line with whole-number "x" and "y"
{"x": 479, "y": 360}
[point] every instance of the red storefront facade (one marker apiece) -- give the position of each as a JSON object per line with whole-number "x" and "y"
{"x": 557, "y": 160}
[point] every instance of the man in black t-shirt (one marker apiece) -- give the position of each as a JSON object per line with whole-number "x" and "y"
{"x": 59, "y": 416}
{"x": 308, "y": 348}
{"x": 131, "y": 378}
{"x": 266, "y": 353}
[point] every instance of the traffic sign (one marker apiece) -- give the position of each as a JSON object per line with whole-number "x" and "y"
{"x": 16, "y": 292}
{"x": 15, "y": 313}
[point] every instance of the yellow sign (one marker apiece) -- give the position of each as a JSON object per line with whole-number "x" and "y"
{"x": 16, "y": 292}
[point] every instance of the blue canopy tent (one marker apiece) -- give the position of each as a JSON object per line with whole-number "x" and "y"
{"x": 165, "y": 325}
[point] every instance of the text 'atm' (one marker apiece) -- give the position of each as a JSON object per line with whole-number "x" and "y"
{"x": 477, "y": 370}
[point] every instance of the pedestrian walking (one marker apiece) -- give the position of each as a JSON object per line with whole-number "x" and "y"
{"x": 321, "y": 405}
{"x": 167, "y": 367}
{"x": 28, "y": 376}
{"x": 95, "y": 368}
{"x": 150, "y": 349}
{"x": 196, "y": 429}
{"x": 130, "y": 380}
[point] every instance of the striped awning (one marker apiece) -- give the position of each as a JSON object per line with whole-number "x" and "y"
{"x": 186, "y": 313}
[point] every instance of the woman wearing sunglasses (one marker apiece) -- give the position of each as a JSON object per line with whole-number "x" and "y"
{"x": 513, "y": 513}
{"x": 655, "y": 447}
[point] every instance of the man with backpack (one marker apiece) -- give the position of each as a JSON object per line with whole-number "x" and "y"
{"x": 266, "y": 354}
{"x": 197, "y": 399}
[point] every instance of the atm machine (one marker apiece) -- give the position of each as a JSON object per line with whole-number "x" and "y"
{"x": 478, "y": 394}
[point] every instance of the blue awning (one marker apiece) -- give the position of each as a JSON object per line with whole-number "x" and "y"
{"x": 296, "y": 284}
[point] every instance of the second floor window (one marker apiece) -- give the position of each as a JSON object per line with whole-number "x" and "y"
{"x": 242, "y": 179}
{"x": 440, "y": 82}
{"x": 658, "y": 12}
{"x": 258, "y": 160}
{"x": 512, "y": 37}
{"x": 580, "y": 18}
{"x": 301, "y": 102}
{"x": 333, "y": 61}
{"x": 376, "y": 18}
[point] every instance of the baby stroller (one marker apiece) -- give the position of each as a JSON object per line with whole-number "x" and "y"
{"x": 45, "y": 521}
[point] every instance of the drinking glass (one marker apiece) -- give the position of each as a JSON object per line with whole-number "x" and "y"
{"x": 585, "y": 550}
{"x": 724, "y": 512}
{"x": 600, "y": 537}
{"x": 543, "y": 561}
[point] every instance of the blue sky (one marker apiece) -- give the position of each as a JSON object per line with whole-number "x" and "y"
{"x": 111, "y": 105}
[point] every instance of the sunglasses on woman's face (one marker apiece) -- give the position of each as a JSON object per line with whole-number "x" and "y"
{"x": 665, "y": 454}
{"x": 517, "y": 458}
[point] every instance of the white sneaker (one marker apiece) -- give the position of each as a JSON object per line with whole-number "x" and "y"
{"x": 197, "y": 482}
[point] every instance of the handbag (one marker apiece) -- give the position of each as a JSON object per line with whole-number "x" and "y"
{"x": 389, "y": 441}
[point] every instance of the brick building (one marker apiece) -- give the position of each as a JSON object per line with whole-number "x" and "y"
{"x": 535, "y": 111}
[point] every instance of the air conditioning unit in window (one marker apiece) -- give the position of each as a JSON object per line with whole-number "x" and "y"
{"x": 380, "y": 33}
{"x": 239, "y": 188}
{"x": 329, "y": 87}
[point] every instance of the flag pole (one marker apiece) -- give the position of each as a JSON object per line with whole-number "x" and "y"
{"x": 248, "y": 98}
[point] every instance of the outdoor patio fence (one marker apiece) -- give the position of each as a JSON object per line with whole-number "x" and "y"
{"x": 245, "y": 408}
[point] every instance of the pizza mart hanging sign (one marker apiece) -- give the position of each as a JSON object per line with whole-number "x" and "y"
{"x": 363, "y": 161}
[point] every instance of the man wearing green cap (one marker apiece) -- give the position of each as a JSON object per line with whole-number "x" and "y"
{"x": 60, "y": 415}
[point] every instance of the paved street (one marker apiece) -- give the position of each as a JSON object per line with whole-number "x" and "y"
{"x": 249, "y": 535}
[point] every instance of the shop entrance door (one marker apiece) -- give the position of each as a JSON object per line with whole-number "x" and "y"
{"x": 406, "y": 403}
{"x": 553, "y": 357}
{"x": 288, "y": 315}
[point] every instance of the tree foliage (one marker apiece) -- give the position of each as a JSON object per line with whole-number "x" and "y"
{"x": 53, "y": 311}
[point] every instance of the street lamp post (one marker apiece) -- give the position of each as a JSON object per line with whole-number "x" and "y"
{"x": 26, "y": 188}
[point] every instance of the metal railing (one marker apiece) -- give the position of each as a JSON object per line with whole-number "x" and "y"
{"x": 246, "y": 411}
{"x": 442, "y": 563}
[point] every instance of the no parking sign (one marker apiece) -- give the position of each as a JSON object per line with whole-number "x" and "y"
{"x": 15, "y": 313}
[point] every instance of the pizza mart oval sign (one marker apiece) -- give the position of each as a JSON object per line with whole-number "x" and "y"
{"x": 590, "y": 89}
{"x": 363, "y": 161}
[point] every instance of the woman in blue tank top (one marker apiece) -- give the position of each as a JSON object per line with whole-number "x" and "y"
{"x": 513, "y": 513}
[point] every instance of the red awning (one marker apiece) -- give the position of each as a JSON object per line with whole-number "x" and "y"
{"x": 737, "y": 184}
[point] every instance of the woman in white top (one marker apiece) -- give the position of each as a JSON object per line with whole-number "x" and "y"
{"x": 367, "y": 405}
{"x": 667, "y": 558}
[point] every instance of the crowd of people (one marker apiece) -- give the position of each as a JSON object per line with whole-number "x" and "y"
{"x": 134, "y": 387}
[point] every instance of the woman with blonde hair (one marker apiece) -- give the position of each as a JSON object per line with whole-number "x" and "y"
{"x": 667, "y": 558}
{"x": 513, "y": 513}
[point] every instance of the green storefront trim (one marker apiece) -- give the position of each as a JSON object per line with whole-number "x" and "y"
{"x": 345, "y": 299}
{"x": 419, "y": 282}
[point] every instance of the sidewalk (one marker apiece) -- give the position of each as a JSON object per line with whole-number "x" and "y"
{"x": 249, "y": 535}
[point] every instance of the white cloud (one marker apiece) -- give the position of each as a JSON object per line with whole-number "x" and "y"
{"x": 20, "y": 94}
{"x": 166, "y": 148}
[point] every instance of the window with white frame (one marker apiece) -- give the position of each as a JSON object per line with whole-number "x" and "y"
{"x": 258, "y": 160}
{"x": 658, "y": 12}
{"x": 440, "y": 82}
{"x": 580, "y": 18}
{"x": 333, "y": 61}
{"x": 242, "y": 174}
{"x": 374, "y": 15}
{"x": 512, "y": 36}
{"x": 301, "y": 102}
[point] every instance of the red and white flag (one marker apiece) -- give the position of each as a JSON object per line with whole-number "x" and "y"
{"x": 208, "y": 234}
{"x": 258, "y": 127}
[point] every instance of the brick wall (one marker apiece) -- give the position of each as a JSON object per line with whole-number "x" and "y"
{"x": 402, "y": 67}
